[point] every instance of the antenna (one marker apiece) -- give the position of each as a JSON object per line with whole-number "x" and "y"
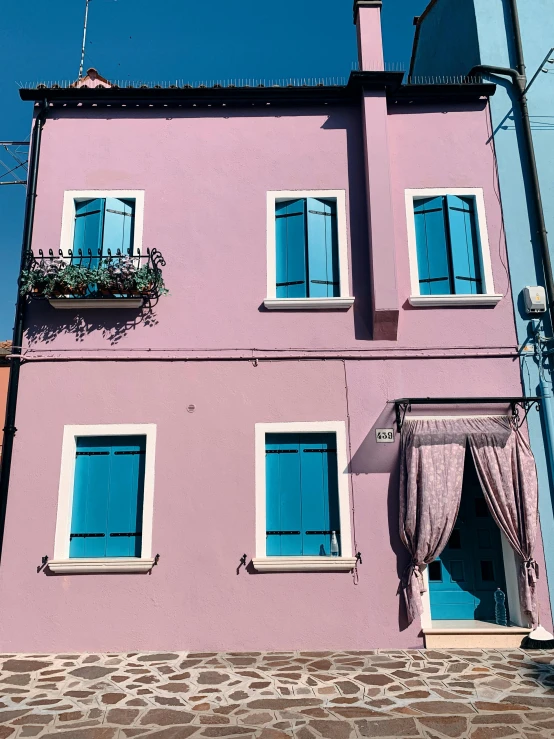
{"x": 84, "y": 40}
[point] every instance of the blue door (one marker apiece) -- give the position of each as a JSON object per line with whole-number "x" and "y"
{"x": 463, "y": 579}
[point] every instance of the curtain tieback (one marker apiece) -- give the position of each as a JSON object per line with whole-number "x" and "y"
{"x": 413, "y": 570}
{"x": 531, "y": 570}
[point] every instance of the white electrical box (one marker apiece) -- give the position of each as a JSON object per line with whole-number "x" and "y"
{"x": 535, "y": 299}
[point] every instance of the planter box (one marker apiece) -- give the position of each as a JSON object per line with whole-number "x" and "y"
{"x": 79, "y": 303}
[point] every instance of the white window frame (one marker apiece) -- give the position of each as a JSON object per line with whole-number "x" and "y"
{"x": 272, "y": 302}
{"x": 68, "y": 213}
{"x": 61, "y": 561}
{"x": 264, "y": 563}
{"x": 489, "y": 297}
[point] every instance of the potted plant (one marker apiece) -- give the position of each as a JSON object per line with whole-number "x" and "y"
{"x": 54, "y": 277}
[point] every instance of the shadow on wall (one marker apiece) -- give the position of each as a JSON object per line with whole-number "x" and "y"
{"x": 45, "y": 324}
{"x": 358, "y": 225}
{"x": 373, "y": 457}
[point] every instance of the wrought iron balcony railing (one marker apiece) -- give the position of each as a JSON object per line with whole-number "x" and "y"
{"x": 100, "y": 279}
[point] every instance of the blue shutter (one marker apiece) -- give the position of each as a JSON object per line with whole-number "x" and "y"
{"x": 119, "y": 226}
{"x": 464, "y": 240}
{"x": 125, "y": 503}
{"x": 320, "y": 513}
{"x": 323, "y": 257}
{"x": 432, "y": 247}
{"x": 107, "y": 497}
{"x": 283, "y": 497}
{"x": 90, "y": 498}
{"x": 89, "y": 220}
{"x": 290, "y": 247}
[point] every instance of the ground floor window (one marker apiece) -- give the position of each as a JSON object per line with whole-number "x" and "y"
{"x": 302, "y": 496}
{"x": 106, "y": 499}
{"x": 108, "y": 492}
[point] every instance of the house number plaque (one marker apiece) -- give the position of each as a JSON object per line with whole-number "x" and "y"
{"x": 384, "y": 436}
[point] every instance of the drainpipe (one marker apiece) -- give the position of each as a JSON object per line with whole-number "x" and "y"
{"x": 519, "y": 83}
{"x": 11, "y": 403}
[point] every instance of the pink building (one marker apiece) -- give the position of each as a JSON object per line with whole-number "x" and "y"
{"x": 252, "y": 409}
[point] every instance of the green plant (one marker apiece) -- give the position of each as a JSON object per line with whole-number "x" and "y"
{"x": 52, "y": 277}
{"x": 121, "y": 275}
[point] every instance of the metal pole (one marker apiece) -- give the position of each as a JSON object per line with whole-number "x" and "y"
{"x": 539, "y": 70}
{"x": 84, "y": 40}
{"x": 15, "y": 366}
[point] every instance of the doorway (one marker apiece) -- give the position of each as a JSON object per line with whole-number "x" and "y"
{"x": 463, "y": 580}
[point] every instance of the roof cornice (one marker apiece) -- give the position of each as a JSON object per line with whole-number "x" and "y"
{"x": 359, "y": 82}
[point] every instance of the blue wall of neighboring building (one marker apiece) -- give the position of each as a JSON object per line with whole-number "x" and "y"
{"x": 447, "y": 45}
{"x": 449, "y": 37}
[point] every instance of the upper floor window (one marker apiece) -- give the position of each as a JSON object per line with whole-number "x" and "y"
{"x": 307, "y": 250}
{"x": 102, "y": 222}
{"x": 449, "y": 251}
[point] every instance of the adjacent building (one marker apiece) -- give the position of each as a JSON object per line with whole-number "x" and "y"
{"x": 452, "y": 39}
{"x": 244, "y": 462}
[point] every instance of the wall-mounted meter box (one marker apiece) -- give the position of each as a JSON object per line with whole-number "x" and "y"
{"x": 535, "y": 299}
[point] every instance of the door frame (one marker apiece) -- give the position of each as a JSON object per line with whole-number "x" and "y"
{"x": 511, "y": 561}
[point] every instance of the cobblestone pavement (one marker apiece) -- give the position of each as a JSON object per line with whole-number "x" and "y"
{"x": 481, "y": 694}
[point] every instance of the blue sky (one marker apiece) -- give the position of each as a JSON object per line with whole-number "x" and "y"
{"x": 166, "y": 40}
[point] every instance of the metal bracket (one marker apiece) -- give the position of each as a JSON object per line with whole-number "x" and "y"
{"x": 403, "y": 405}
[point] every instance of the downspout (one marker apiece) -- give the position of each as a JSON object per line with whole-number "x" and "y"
{"x": 11, "y": 402}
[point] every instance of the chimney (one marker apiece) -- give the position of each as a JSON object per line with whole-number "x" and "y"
{"x": 367, "y": 17}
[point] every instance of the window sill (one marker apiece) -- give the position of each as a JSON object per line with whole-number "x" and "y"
{"x": 434, "y": 301}
{"x": 78, "y": 303}
{"x": 308, "y": 303}
{"x": 100, "y": 564}
{"x": 304, "y": 564}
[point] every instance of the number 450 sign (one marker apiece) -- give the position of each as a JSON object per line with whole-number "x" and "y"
{"x": 385, "y": 436}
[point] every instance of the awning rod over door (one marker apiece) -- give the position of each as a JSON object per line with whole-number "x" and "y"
{"x": 403, "y": 405}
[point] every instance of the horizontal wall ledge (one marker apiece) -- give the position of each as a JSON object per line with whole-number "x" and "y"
{"x": 80, "y": 303}
{"x": 434, "y": 301}
{"x": 304, "y": 564}
{"x": 308, "y": 303}
{"x": 100, "y": 564}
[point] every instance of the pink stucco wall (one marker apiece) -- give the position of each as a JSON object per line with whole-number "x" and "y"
{"x": 205, "y": 175}
{"x": 204, "y": 506}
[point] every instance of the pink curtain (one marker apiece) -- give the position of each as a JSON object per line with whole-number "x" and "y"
{"x": 431, "y": 474}
{"x": 507, "y": 473}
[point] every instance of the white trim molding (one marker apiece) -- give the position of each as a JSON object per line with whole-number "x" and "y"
{"x": 304, "y": 564}
{"x": 345, "y": 300}
{"x": 100, "y": 564}
{"x": 308, "y": 303}
{"x": 264, "y": 563}
{"x": 68, "y": 213}
{"x": 61, "y": 562}
{"x": 435, "y": 301}
{"x": 489, "y": 297}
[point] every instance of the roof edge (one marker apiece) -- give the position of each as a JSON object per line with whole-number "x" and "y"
{"x": 358, "y": 82}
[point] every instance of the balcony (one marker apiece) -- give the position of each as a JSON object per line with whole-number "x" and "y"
{"x": 94, "y": 280}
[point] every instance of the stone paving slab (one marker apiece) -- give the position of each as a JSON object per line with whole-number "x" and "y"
{"x": 479, "y": 694}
